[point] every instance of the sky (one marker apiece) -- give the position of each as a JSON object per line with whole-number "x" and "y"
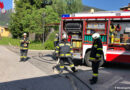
{"x": 109, "y": 5}
{"x": 7, "y": 4}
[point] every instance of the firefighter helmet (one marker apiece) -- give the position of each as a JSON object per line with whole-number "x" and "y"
{"x": 64, "y": 36}
{"x": 24, "y": 34}
{"x": 56, "y": 34}
{"x": 95, "y": 35}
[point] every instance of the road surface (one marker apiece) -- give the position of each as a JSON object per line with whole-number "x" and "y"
{"x": 37, "y": 74}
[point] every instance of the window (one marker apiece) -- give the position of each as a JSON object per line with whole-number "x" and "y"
{"x": 2, "y": 30}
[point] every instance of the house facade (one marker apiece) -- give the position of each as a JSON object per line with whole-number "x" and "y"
{"x": 4, "y": 31}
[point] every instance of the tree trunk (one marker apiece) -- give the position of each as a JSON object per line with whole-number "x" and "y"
{"x": 32, "y": 36}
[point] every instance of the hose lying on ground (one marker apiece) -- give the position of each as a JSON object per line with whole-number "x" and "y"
{"x": 66, "y": 76}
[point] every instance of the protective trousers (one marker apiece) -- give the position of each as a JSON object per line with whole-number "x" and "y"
{"x": 23, "y": 54}
{"x": 69, "y": 60}
{"x": 95, "y": 67}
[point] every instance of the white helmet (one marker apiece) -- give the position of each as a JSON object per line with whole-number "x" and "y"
{"x": 64, "y": 36}
{"x": 24, "y": 34}
{"x": 95, "y": 35}
{"x": 56, "y": 34}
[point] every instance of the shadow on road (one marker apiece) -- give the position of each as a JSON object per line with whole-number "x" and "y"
{"x": 53, "y": 82}
{"x": 43, "y": 60}
{"x": 113, "y": 65}
{"x": 58, "y": 82}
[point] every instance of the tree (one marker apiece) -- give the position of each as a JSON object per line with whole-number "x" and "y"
{"x": 28, "y": 18}
{"x": 51, "y": 16}
{"x": 67, "y": 6}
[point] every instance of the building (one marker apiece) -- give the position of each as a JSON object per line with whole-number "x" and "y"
{"x": 126, "y": 8}
{"x": 13, "y": 6}
{"x": 4, "y": 31}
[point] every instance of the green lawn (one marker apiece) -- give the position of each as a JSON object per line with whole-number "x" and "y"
{"x": 48, "y": 45}
{"x": 6, "y": 41}
{"x": 16, "y": 42}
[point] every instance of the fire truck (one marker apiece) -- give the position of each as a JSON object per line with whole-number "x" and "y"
{"x": 113, "y": 26}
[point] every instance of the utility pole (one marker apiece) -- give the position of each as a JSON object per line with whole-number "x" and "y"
{"x": 45, "y": 2}
{"x": 44, "y": 14}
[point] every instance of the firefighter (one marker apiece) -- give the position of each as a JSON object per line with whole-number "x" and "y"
{"x": 64, "y": 52}
{"x": 95, "y": 56}
{"x": 24, "y": 42}
{"x": 56, "y": 40}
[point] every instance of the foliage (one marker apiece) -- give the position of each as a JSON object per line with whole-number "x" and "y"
{"x": 32, "y": 15}
{"x": 29, "y": 18}
{"x": 67, "y": 6}
{"x": 49, "y": 45}
{"x": 5, "y": 18}
{"x": 35, "y": 45}
{"x": 51, "y": 16}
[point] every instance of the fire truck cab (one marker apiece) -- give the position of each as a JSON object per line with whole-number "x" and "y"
{"x": 113, "y": 26}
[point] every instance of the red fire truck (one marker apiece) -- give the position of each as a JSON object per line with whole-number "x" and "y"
{"x": 113, "y": 26}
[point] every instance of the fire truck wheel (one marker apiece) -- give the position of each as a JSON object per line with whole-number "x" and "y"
{"x": 89, "y": 63}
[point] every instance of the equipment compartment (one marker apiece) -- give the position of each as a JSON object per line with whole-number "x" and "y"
{"x": 74, "y": 30}
{"x": 73, "y": 26}
{"x": 119, "y": 38}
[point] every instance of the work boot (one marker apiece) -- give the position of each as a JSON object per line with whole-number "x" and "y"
{"x": 25, "y": 59}
{"x": 74, "y": 70}
{"x": 57, "y": 69}
{"x": 93, "y": 80}
{"x": 21, "y": 59}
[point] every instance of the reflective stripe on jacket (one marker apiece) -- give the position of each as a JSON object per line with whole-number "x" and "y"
{"x": 56, "y": 41}
{"x": 24, "y": 42}
{"x": 96, "y": 50}
{"x": 64, "y": 49}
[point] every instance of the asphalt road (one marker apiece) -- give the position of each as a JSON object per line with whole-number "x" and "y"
{"x": 37, "y": 73}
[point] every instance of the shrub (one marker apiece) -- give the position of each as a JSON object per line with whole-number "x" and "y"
{"x": 49, "y": 45}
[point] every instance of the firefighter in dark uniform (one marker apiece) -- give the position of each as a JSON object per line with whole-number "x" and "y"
{"x": 24, "y": 42}
{"x": 95, "y": 56}
{"x": 64, "y": 52}
{"x": 56, "y": 40}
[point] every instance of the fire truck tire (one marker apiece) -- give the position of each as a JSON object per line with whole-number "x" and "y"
{"x": 89, "y": 63}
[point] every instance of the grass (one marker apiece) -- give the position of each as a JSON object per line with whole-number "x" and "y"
{"x": 49, "y": 44}
{"x": 6, "y": 41}
{"x": 36, "y": 46}
{"x": 33, "y": 45}
{"x": 16, "y": 42}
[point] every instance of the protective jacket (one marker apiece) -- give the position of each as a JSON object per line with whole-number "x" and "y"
{"x": 112, "y": 29}
{"x": 56, "y": 41}
{"x": 64, "y": 49}
{"x": 96, "y": 50}
{"x": 24, "y": 42}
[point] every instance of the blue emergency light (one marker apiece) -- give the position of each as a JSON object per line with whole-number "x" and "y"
{"x": 65, "y": 15}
